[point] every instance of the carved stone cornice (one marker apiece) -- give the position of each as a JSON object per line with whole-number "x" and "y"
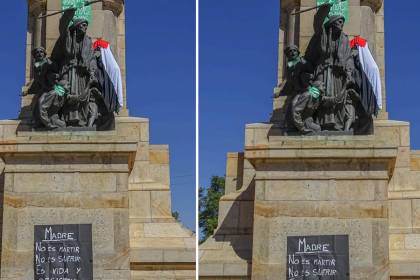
{"x": 116, "y": 6}
{"x": 374, "y": 4}
{"x": 36, "y": 7}
{"x": 289, "y": 5}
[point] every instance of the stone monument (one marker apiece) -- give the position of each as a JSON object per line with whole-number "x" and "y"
{"x": 84, "y": 204}
{"x": 320, "y": 206}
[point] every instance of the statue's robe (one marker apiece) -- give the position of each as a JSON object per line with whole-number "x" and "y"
{"x": 332, "y": 60}
{"x": 75, "y": 58}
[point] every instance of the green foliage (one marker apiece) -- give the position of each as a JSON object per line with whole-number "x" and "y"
{"x": 209, "y": 206}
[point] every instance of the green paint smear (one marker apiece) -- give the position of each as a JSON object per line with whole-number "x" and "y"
{"x": 315, "y": 92}
{"x": 60, "y": 90}
{"x": 338, "y": 8}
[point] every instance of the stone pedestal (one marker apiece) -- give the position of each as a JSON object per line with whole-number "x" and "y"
{"x": 308, "y": 186}
{"x": 54, "y": 178}
{"x": 115, "y": 181}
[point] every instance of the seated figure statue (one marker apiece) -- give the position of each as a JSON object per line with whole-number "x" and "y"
{"x": 51, "y": 102}
{"x": 305, "y": 105}
{"x": 49, "y": 92}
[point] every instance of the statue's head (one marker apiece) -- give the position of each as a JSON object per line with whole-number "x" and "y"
{"x": 336, "y": 23}
{"x": 80, "y": 25}
{"x": 39, "y": 54}
{"x": 292, "y": 52}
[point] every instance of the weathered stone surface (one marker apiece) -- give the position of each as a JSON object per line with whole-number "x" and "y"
{"x": 165, "y": 230}
{"x": 49, "y": 187}
{"x": 400, "y": 216}
{"x": 321, "y": 185}
{"x": 83, "y": 177}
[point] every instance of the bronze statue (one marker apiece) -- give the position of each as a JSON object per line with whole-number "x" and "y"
{"x": 304, "y": 107}
{"x": 50, "y": 103}
{"x": 330, "y": 53}
{"x": 77, "y": 65}
{"x": 296, "y": 69}
{"x": 67, "y": 93}
{"x": 41, "y": 66}
{"x": 326, "y": 90}
{"x": 296, "y": 65}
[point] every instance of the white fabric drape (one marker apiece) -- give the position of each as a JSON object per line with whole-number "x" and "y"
{"x": 371, "y": 70}
{"x": 114, "y": 72}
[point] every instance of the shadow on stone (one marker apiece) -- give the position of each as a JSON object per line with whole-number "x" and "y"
{"x": 237, "y": 225}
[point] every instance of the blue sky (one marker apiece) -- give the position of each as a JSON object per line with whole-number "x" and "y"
{"x": 238, "y": 69}
{"x": 160, "y": 80}
{"x": 238, "y": 61}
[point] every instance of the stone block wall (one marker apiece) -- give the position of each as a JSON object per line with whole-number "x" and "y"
{"x": 114, "y": 180}
{"x": 363, "y": 186}
{"x": 160, "y": 247}
{"x": 404, "y": 217}
{"x": 66, "y": 178}
{"x": 228, "y": 253}
{"x": 322, "y": 186}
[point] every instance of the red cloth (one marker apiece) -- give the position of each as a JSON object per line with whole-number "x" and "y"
{"x": 100, "y": 44}
{"x": 358, "y": 41}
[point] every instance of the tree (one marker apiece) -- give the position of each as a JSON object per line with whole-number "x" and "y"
{"x": 209, "y": 206}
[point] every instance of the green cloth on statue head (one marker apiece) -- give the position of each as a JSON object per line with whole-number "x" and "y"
{"x": 334, "y": 18}
{"x": 78, "y": 21}
{"x": 314, "y": 92}
{"x": 339, "y": 7}
{"x": 82, "y": 12}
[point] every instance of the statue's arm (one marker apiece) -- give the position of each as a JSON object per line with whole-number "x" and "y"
{"x": 320, "y": 17}
{"x": 66, "y": 19}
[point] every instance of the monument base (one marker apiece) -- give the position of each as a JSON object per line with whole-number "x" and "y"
{"x": 310, "y": 187}
{"x": 70, "y": 201}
